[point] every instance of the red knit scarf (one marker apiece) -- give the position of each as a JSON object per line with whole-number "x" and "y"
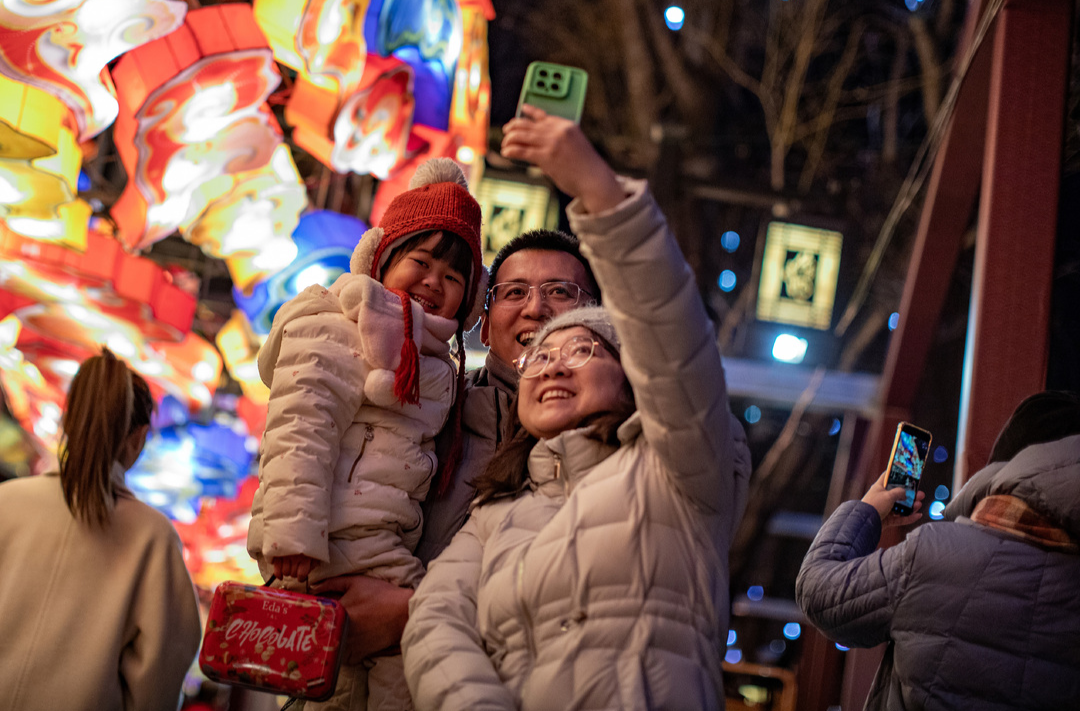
{"x": 1010, "y": 514}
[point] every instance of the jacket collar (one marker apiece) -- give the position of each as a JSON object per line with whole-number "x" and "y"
{"x": 498, "y": 374}
{"x": 557, "y": 464}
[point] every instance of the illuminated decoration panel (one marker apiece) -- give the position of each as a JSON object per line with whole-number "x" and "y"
{"x": 39, "y": 167}
{"x": 215, "y": 545}
{"x": 368, "y": 132}
{"x": 239, "y": 347}
{"x": 509, "y": 208}
{"x": 323, "y": 40}
{"x": 63, "y": 47}
{"x": 250, "y": 225}
{"x": 184, "y": 461}
{"x": 470, "y": 108}
{"x": 798, "y": 275}
{"x": 424, "y": 143}
{"x": 324, "y": 241}
{"x": 426, "y": 35}
{"x": 193, "y": 115}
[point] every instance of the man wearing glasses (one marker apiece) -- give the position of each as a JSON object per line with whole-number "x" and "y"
{"x": 535, "y": 277}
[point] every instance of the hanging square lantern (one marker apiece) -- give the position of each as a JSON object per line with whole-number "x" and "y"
{"x": 798, "y": 275}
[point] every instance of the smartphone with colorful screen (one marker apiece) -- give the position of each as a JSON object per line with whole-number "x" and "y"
{"x": 555, "y": 88}
{"x": 910, "y": 447}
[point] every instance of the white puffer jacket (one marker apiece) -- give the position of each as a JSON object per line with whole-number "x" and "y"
{"x": 344, "y": 466}
{"x": 605, "y": 585}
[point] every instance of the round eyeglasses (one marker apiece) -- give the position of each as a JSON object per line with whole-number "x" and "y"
{"x": 574, "y": 353}
{"x": 517, "y": 293}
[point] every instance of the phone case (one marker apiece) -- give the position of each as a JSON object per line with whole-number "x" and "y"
{"x": 274, "y": 640}
{"x": 555, "y": 88}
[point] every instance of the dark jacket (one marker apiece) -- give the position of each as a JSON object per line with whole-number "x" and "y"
{"x": 975, "y": 617}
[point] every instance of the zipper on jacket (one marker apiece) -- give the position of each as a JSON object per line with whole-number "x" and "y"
{"x": 369, "y": 434}
{"x": 519, "y": 583}
{"x": 559, "y": 476}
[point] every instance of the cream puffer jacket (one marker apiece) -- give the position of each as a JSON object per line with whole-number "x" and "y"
{"x": 344, "y": 466}
{"x": 605, "y": 584}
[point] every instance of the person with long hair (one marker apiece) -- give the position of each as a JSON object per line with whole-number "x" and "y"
{"x": 593, "y": 569}
{"x": 97, "y": 610}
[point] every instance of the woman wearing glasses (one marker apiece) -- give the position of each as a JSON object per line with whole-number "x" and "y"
{"x": 592, "y": 572}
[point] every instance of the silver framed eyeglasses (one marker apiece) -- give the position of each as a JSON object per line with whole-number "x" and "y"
{"x": 517, "y": 293}
{"x": 574, "y": 353}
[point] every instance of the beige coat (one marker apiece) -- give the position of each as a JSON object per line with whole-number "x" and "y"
{"x": 344, "y": 467}
{"x": 91, "y": 619}
{"x": 605, "y": 584}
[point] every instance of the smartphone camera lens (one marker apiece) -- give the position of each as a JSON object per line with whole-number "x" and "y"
{"x": 558, "y": 75}
{"x": 541, "y": 84}
{"x": 543, "y": 72}
{"x": 554, "y": 87}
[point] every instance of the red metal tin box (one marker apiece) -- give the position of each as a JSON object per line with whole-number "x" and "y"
{"x": 273, "y": 640}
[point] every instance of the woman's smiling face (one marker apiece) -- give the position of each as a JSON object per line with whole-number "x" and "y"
{"x": 561, "y": 398}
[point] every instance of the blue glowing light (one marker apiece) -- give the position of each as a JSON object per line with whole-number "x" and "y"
{"x": 941, "y": 492}
{"x": 940, "y": 454}
{"x": 894, "y": 320}
{"x": 729, "y": 241}
{"x": 83, "y": 183}
{"x": 674, "y": 18}
{"x": 752, "y": 414}
{"x": 777, "y": 646}
{"x": 726, "y": 282}
{"x": 733, "y": 656}
{"x": 732, "y": 637}
{"x": 841, "y": 647}
{"x": 834, "y": 428}
{"x": 912, "y": 5}
{"x": 792, "y": 630}
{"x": 755, "y": 592}
{"x": 937, "y": 510}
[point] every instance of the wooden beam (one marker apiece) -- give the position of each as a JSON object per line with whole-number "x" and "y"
{"x": 1008, "y": 327}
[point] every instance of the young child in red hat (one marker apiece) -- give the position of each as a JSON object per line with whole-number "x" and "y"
{"x": 361, "y": 379}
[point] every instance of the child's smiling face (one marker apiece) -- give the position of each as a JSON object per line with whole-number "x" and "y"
{"x": 430, "y": 282}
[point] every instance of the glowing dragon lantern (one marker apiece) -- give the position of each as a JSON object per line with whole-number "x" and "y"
{"x": 250, "y": 225}
{"x": 63, "y": 47}
{"x": 426, "y": 35}
{"x": 424, "y": 143}
{"x": 193, "y": 114}
{"x": 364, "y": 132}
{"x": 470, "y": 108}
{"x": 39, "y": 167}
{"x": 323, "y": 40}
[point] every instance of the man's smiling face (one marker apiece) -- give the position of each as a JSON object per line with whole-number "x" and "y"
{"x": 507, "y": 328}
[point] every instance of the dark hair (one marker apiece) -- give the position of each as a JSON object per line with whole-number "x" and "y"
{"x": 548, "y": 241}
{"x": 106, "y": 402}
{"x": 1043, "y": 417}
{"x": 452, "y": 249}
{"x": 508, "y": 471}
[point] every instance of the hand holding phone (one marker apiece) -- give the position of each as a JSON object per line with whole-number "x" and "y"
{"x": 556, "y": 88}
{"x": 910, "y": 448}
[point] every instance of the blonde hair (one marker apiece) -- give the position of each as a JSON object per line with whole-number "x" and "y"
{"x": 105, "y": 403}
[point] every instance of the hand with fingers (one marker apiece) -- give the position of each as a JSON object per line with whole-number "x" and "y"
{"x": 293, "y": 566}
{"x": 558, "y": 147}
{"x": 883, "y": 499}
{"x": 377, "y": 612}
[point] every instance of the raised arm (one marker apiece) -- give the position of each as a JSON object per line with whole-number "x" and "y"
{"x": 669, "y": 350}
{"x": 446, "y": 665}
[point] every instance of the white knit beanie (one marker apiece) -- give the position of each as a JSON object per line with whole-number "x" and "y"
{"x": 594, "y": 318}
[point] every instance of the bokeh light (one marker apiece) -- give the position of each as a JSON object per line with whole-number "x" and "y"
{"x": 752, "y": 414}
{"x": 674, "y": 18}
{"x": 729, "y": 241}
{"x": 727, "y": 280}
{"x": 792, "y": 630}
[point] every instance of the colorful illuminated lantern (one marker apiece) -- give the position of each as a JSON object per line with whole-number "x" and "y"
{"x": 39, "y": 167}
{"x": 325, "y": 241}
{"x": 250, "y": 225}
{"x": 424, "y": 143}
{"x": 63, "y": 47}
{"x": 323, "y": 40}
{"x": 193, "y": 115}
{"x": 426, "y": 35}
{"x": 239, "y": 346}
{"x": 470, "y": 108}
{"x": 368, "y": 131}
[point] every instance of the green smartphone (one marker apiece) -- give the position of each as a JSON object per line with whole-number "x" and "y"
{"x": 555, "y": 88}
